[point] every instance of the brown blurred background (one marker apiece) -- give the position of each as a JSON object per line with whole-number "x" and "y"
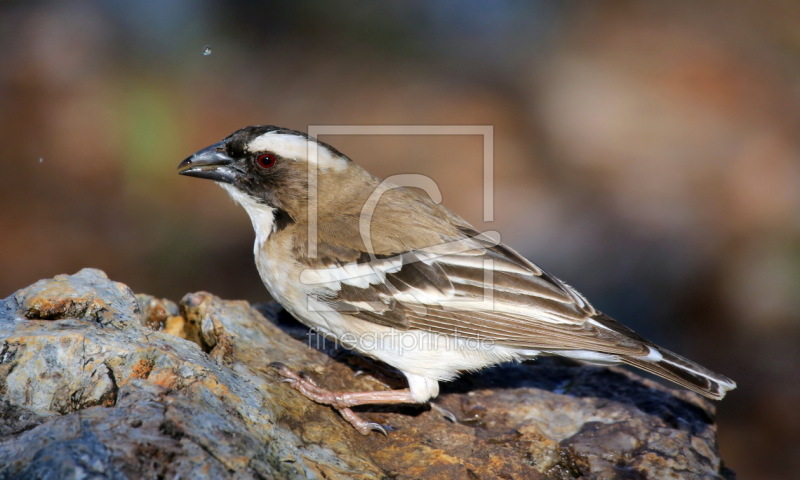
{"x": 647, "y": 153}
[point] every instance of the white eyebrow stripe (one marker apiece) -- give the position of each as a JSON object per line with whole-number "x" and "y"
{"x": 295, "y": 147}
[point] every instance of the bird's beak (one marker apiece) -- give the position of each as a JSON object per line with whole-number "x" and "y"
{"x": 211, "y": 163}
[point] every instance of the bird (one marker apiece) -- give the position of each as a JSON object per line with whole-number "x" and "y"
{"x": 398, "y": 277}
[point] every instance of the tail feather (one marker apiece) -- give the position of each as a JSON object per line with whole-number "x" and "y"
{"x": 682, "y": 371}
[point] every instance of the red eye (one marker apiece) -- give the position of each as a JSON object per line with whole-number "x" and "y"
{"x": 266, "y": 160}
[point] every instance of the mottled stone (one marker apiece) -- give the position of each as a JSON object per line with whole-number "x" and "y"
{"x": 94, "y": 383}
{"x": 87, "y": 295}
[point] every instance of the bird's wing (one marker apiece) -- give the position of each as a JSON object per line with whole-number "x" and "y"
{"x": 470, "y": 287}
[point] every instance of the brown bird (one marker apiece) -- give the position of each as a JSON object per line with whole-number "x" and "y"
{"x": 395, "y": 276}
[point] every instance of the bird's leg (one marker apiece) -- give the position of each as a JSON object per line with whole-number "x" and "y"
{"x": 342, "y": 401}
{"x": 312, "y": 391}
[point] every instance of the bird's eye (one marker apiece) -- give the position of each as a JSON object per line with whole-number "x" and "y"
{"x": 266, "y": 160}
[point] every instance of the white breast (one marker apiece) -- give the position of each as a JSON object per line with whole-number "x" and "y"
{"x": 263, "y": 218}
{"x": 262, "y": 215}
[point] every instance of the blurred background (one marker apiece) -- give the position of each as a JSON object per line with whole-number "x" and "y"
{"x": 646, "y": 153}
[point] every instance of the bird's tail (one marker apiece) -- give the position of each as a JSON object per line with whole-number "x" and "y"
{"x": 682, "y": 371}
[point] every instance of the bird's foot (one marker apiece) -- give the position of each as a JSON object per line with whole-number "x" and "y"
{"x": 362, "y": 426}
{"x": 340, "y": 401}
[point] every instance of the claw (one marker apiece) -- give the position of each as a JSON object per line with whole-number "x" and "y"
{"x": 447, "y": 414}
{"x": 377, "y": 427}
{"x": 277, "y": 365}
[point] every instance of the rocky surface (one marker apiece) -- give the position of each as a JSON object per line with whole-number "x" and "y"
{"x": 96, "y": 382}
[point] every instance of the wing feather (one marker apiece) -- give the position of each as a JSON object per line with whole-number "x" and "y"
{"x": 473, "y": 288}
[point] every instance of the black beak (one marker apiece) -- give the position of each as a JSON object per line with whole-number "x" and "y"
{"x": 211, "y": 163}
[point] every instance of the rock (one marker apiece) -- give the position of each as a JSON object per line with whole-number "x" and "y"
{"x": 98, "y": 383}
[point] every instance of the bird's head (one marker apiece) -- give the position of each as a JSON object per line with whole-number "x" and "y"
{"x": 267, "y": 168}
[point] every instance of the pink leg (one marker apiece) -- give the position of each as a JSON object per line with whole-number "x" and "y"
{"x": 342, "y": 401}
